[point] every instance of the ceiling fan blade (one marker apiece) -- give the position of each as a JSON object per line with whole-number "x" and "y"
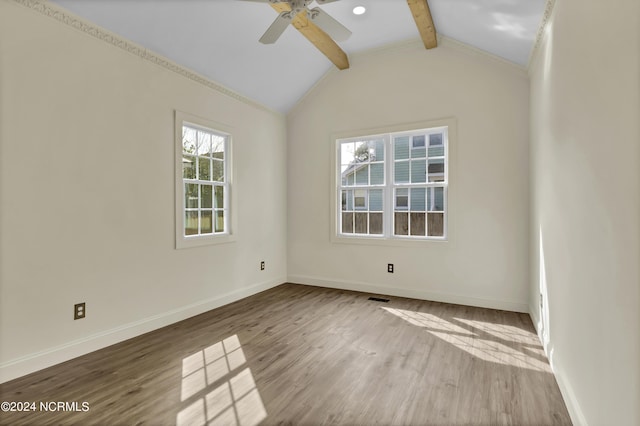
{"x": 329, "y": 25}
{"x": 424, "y": 21}
{"x": 276, "y": 29}
{"x": 316, "y": 36}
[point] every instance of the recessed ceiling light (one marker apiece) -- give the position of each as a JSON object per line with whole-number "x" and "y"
{"x": 359, "y": 10}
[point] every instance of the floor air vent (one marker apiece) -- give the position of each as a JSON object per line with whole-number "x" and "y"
{"x": 379, "y": 299}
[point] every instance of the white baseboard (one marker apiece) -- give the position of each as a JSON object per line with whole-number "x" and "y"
{"x": 37, "y": 361}
{"x": 535, "y": 319}
{"x": 569, "y": 397}
{"x": 414, "y": 294}
{"x": 575, "y": 412}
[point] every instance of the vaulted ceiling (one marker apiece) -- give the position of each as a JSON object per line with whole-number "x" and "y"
{"x": 219, "y": 38}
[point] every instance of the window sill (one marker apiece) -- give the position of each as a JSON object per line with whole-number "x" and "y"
{"x": 200, "y": 241}
{"x": 386, "y": 241}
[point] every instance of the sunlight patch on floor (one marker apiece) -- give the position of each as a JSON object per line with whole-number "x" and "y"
{"x": 234, "y": 399}
{"x": 491, "y": 342}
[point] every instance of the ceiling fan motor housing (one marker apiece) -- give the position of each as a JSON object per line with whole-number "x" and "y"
{"x": 298, "y": 6}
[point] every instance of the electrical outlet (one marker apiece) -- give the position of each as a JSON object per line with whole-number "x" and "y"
{"x": 262, "y": 265}
{"x": 390, "y": 268}
{"x": 79, "y": 311}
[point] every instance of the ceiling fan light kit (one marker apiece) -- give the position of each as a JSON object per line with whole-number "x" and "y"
{"x": 316, "y": 16}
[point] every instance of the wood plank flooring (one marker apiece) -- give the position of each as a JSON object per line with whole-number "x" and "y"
{"x": 301, "y": 355}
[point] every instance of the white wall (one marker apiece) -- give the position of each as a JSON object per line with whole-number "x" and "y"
{"x": 485, "y": 263}
{"x": 87, "y": 195}
{"x": 585, "y": 234}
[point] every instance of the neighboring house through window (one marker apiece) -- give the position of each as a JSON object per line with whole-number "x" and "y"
{"x": 393, "y": 185}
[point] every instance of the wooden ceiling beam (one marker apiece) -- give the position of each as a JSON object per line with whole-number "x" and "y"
{"x": 316, "y": 36}
{"x": 424, "y": 22}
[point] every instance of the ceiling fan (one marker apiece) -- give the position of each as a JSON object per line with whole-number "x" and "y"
{"x": 322, "y": 30}
{"x": 317, "y": 16}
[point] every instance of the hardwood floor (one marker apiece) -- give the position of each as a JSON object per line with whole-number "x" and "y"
{"x": 303, "y": 355}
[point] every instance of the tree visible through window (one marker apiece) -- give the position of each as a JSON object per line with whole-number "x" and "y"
{"x": 393, "y": 185}
{"x": 204, "y": 181}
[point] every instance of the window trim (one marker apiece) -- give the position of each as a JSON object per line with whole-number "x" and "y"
{"x": 182, "y": 241}
{"x": 390, "y": 239}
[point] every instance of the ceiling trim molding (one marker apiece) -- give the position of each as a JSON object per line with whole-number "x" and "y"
{"x": 548, "y": 10}
{"x": 47, "y": 9}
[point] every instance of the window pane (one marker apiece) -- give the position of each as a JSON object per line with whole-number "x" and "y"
{"x": 347, "y": 154}
{"x": 360, "y": 199}
{"x": 206, "y": 192}
{"x": 436, "y": 151}
{"x": 191, "y": 196}
{"x": 435, "y": 224}
{"x": 188, "y": 140}
{"x": 370, "y": 154}
{"x": 219, "y": 221}
{"x": 436, "y": 165}
{"x": 361, "y": 223}
{"x": 190, "y": 223}
{"x": 217, "y": 174}
{"x": 217, "y": 147}
{"x": 204, "y": 144}
{"x": 375, "y": 223}
{"x": 435, "y": 139}
{"x": 378, "y": 146}
{"x": 362, "y": 152}
{"x": 418, "y": 199}
{"x": 351, "y": 179}
{"x": 438, "y": 199}
{"x": 402, "y": 198}
{"x": 418, "y": 171}
{"x": 206, "y": 222}
{"x": 402, "y": 172}
{"x": 347, "y": 223}
{"x": 418, "y": 153}
{"x": 188, "y": 167}
{"x": 417, "y": 223}
{"x": 401, "y": 223}
{"x": 349, "y": 200}
{"x": 377, "y": 173}
{"x": 219, "y": 192}
{"x": 418, "y": 148}
{"x": 362, "y": 175}
{"x": 401, "y": 148}
{"x": 204, "y": 168}
{"x": 375, "y": 200}
{"x": 435, "y": 199}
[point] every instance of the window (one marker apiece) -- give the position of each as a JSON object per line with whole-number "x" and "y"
{"x": 202, "y": 182}
{"x": 362, "y": 187}
{"x": 393, "y": 185}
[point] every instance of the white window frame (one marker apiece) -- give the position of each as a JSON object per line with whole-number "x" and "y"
{"x": 448, "y": 126}
{"x": 185, "y": 241}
